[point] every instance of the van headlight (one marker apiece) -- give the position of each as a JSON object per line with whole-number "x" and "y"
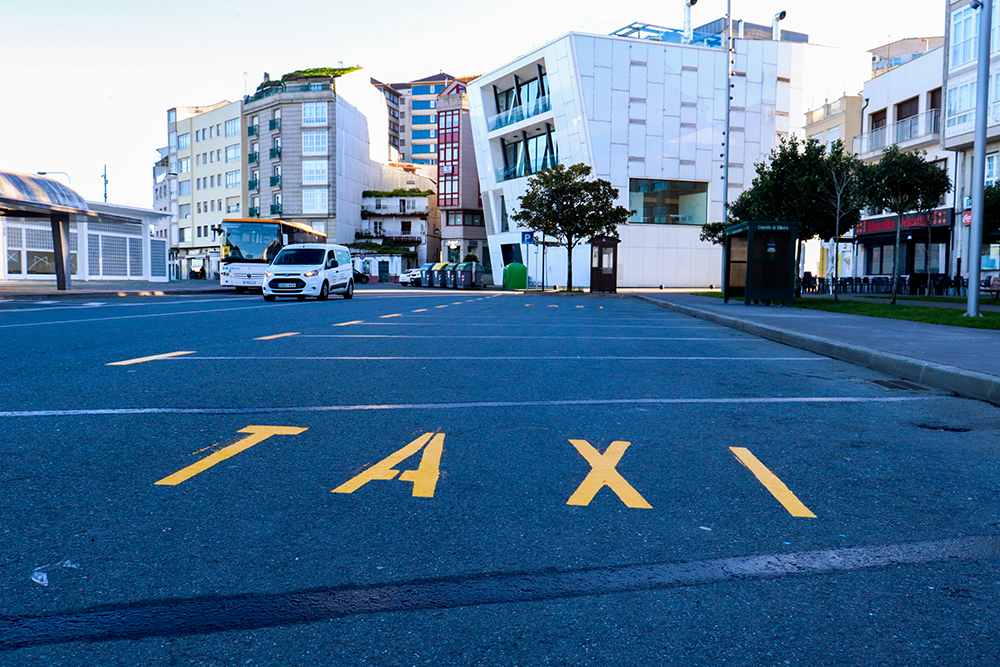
{"x": 310, "y": 274}
{"x": 268, "y": 274}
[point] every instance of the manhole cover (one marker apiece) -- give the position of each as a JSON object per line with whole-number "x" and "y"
{"x": 899, "y": 385}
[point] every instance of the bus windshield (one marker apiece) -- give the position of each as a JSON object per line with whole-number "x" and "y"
{"x": 300, "y": 256}
{"x": 250, "y": 241}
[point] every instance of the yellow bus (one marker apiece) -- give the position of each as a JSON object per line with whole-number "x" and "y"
{"x": 249, "y": 245}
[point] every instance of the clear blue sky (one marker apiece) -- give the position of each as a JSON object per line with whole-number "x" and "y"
{"x": 88, "y": 83}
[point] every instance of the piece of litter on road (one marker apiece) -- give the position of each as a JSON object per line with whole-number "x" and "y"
{"x": 40, "y": 577}
{"x": 705, "y": 528}
{"x": 843, "y": 535}
{"x": 786, "y": 542}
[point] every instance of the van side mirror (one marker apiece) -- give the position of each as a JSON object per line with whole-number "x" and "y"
{"x": 332, "y": 264}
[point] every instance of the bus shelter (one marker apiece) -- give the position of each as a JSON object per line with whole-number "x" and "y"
{"x": 759, "y": 261}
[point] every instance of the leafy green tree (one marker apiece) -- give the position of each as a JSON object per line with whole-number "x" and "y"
{"x": 567, "y": 205}
{"x": 843, "y": 194}
{"x": 904, "y": 182}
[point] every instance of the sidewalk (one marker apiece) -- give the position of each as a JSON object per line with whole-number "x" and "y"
{"x": 953, "y": 358}
{"x": 85, "y": 289}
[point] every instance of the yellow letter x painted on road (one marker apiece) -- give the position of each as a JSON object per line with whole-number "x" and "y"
{"x": 424, "y": 478}
{"x": 603, "y": 474}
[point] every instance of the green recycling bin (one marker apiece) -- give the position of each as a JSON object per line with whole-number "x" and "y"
{"x": 515, "y": 276}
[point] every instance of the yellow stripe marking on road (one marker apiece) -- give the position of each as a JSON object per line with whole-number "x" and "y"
{"x": 393, "y": 315}
{"x": 419, "y": 310}
{"x": 284, "y": 335}
{"x": 445, "y": 306}
{"x": 257, "y": 434}
{"x": 457, "y": 303}
{"x": 142, "y": 360}
{"x": 344, "y": 324}
{"x": 772, "y": 483}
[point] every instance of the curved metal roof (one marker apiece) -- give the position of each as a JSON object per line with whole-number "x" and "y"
{"x": 39, "y": 191}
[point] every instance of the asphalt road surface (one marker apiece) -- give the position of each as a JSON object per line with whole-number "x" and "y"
{"x": 434, "y": 477}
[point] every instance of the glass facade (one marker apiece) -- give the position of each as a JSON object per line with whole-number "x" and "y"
{"x": 662, "y": 202}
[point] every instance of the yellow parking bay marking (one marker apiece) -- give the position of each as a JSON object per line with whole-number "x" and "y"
{"x": 772, "y": 483}
{"x": 419, "y": 310}
{"x": 457, "y": 303}
{"x": 445, "y": 306}
{"x": 284, "y": 335}
{"x": 553, "y": 306}
{"x": 142, "y": 360}
{"x": 579, "y": 306}
{"x": 257, "y": 434}
{"x": 344, "y": 324}
{"x": 424, "y": 478}
{"x": 603, "y": 474}
{"x": 393, "y": 315}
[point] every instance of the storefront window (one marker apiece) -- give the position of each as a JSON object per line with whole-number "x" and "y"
{"x": 668, "y": 202}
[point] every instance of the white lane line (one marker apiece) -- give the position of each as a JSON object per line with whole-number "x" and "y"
{"x": 734, "y": 339}
{"x": 813, "y": 400}
{"x": 506, "y": 358}
{"x": 130, "y": 304}
{"x": 132, "y": 317}
{"x": 422, "y": 322}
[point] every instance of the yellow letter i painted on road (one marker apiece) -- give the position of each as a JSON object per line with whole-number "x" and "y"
{"x": 603, "y": 474}
{"x": 424, "y": 478}
{"x": 258, "y": 434}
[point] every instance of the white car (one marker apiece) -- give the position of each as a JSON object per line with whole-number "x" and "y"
{"x": 310, "y": 269}
{"x": 411, "y": 277}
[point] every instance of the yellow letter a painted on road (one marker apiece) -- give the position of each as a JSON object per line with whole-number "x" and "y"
{"x": 603, "y": 474}
{"x": 424, "y": 478}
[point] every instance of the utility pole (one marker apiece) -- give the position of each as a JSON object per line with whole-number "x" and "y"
{"x": 985, "y": 8}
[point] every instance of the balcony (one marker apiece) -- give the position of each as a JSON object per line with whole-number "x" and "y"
{"x": 907, "y": 133}
{"x": 276, "y": 153}
{"x": 274, "y": 124}
{"x": 253, "y": 212}
{"x": 275, "y": 209}
{"x": 252, "y": 130}
{"x": 519, "y": 113}
{"x": 402, "y": 240}
{"x": 253, "y": 184}
{"x": 253, "y": 158}
{"x": 276, "y": 181}
{"x": 523, "y": 169}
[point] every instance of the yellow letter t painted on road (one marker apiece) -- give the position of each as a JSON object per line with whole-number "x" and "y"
{"x": 603, "y": 474}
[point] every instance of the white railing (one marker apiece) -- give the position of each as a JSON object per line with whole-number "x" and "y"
{"x": 920, "y": 127}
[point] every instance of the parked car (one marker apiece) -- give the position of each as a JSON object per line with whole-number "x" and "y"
{"x": 411, "y": 277}
{"x": 360, "y": 277}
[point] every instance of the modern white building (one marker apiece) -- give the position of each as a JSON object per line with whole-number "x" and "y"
{"x": 647, "y": 112}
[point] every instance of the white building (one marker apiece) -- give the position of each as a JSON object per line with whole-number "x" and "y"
{"x": 649, "y": 116}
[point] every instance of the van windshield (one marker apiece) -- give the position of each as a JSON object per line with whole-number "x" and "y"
{"x": 301, "y": 256}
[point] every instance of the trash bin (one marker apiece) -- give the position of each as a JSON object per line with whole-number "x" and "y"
{"x": 438, "y": 275}
{"x": 515, "y": 276}
{"x": 426, "y": 275}
{"x": 451, "y": 276}
{"x": 470, "y": 275}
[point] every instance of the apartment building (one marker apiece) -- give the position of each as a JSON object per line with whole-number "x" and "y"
{"x": 413, "y": 107}
{"x": 960, "y": 55}
{"x": 645, "y": 107}
{"x": 315, "y": 141}
{"x": 203, "y": 182}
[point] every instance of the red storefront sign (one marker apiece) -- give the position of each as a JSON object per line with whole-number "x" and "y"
{"x": 941, "y": 217}
{"x": 966, "y": 218}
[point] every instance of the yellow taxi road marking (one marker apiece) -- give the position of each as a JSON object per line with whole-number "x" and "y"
{"x": 284, "y": 335}
{"x": 424, "y": 478}
{"x": 142, "y": 360}
{"x": 772, "y": 483}
{"x": 603, "y": 474}
{"x": 344, "y": 324}
{"x": 393, "y": 315}
{"x": 419, "y": 310}
{"x": 257, "y": 434}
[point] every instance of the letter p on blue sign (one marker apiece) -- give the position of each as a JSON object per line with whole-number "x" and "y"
{"x": 528, "y": 238}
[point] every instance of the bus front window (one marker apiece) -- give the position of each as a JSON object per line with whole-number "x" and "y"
{"x": 251, "y": 241}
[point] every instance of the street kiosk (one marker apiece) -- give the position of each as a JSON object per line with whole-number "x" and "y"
{"x": 759, "y": 262}
{"x": 604, "y": 264}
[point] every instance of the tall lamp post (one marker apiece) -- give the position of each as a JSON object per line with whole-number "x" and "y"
{"x": 46, "y": 173}
{"x": 985, "y": 8}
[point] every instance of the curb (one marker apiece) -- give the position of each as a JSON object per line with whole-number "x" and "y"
{"x": 970, "y": 384}
{"x": 35, "y": 296}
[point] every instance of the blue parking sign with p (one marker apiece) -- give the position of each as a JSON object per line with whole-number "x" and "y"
{"x": 528, "y": 238}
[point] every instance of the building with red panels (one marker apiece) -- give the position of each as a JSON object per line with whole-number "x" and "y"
{"x": 459, "y": 198}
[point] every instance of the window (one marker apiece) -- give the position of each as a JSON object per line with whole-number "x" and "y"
{"x": 964, "y": 35}
{"x": 314, "y": 113}
{"x": 427, "y": 90}
{"x": 424, "y": 148}
{"x": 198, "y": 209}
{"x": 314, "y": 201}
{"x": 423, "y": 105}
{"x": 961, "y": 104}
{"x": 233, "y": 127}
{"x": 184, "y": 165}
{"x": 424, "y": 120}
{"x": 197, "y": 184}
{"x": 183, "y": 213}
{"x": 233, "y": 153}
{"x": 314, "y": 172}
{"x": 668, "y": 202}
{"x": 425, "y": 134}
{"x": 992, "y": 162}
{"x": 405, "y": 227}
{"x": 232, "y": 179}
{"x": 832, "y": 136}
{"x": 172, "y": 142}
{"x": 314, "y": 143}
{"x": 185, "y": 190}
{"x": 182, "y": 232}
{"x": 171, "y": 116}
{"x": 184, "y": 141}
{"x": 233, "y": 208}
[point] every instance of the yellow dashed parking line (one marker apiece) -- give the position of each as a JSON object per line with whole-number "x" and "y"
{"x": 419, "y": 310}
{"x": 284, "y": 335}
{"x": 441, "y": 306}
{"x": 344, "y": 324}
{"x": 393, "y": 315}
{"x": 141, "y": 360}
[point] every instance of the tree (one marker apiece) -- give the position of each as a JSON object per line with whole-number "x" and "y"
{"x": 843, "y": 193}
{"x": 566, "y": 204}
{"x": 904, "y": 182}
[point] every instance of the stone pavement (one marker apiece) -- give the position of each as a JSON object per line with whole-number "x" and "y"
{"x": 965, "y": 361}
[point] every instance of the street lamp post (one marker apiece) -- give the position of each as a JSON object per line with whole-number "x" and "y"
{"x": 979, "y": 154}
{"x": 46, "y": 173}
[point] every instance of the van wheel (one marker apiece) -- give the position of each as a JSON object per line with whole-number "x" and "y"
{"x": 349, "y": 294}
{"x": 269, "y": 297}
{"x": 324, "y": 292}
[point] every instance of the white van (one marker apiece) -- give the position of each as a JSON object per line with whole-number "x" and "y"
{"x": 310, "y": 269}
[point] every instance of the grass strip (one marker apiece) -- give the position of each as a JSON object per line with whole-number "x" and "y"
{"x": 954, "y": 317}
